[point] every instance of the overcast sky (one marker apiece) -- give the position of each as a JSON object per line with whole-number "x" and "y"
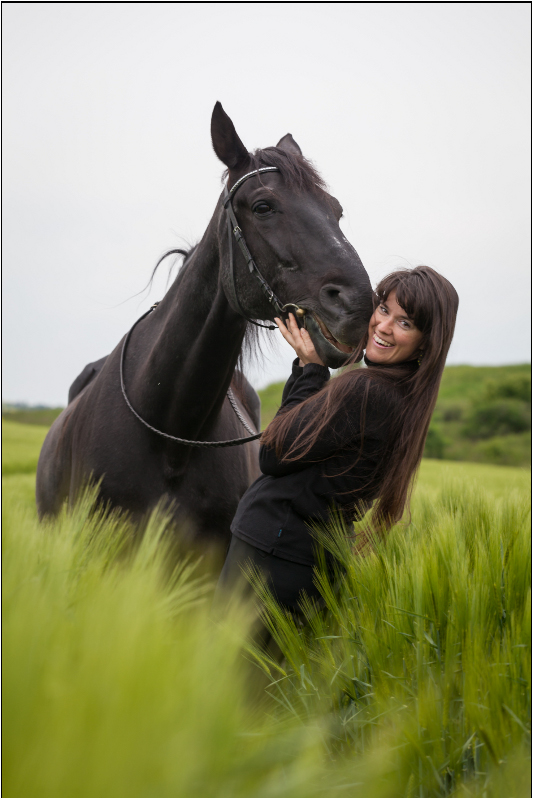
{"x": 416, "y": 114}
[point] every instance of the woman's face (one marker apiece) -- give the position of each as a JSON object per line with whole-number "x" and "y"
{"x": 392, "y": 336}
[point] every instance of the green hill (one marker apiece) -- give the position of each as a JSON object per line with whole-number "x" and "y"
{"x": 270, "y": 402}
{"x": 465, "y": 382}
{"x": 483, "y": 414}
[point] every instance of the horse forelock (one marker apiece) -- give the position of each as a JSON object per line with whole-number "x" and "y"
{"x": 298, "y": 173}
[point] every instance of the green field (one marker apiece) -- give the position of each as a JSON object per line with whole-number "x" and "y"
{"x": 31, "y": 416}
{"x": 415, "y": 682}
{"x": 21, "y": 445}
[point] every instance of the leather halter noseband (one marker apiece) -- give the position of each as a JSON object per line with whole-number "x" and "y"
{"x": 233, "y": 228}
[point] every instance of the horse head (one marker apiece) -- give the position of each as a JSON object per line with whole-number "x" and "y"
{"x": 291, "y": 227}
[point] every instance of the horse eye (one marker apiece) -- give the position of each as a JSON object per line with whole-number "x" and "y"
{"x": 261, "y": 208}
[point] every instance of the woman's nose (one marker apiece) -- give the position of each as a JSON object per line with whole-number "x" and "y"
{"x": 384, "y": 326}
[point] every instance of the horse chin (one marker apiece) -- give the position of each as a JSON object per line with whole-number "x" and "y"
{"x": 324, "y": 343}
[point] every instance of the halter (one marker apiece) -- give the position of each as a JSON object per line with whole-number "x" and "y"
{"x": 233, "y": 228}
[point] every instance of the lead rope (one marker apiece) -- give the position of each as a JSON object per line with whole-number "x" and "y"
{"x": 190, "y": 443}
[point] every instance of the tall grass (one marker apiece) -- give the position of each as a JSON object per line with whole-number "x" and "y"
{"x": 116, "y": 682}
{"x": 414, "y": 681}
{"x": 423, "y": 651}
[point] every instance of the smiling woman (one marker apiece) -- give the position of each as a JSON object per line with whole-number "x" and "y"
{"x": 346, "y": 445}
{"x": 392, "y": 335}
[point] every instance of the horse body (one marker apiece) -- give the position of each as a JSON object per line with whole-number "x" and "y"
{"x": 180, "y": 362}
{"x": 181, "y": 359}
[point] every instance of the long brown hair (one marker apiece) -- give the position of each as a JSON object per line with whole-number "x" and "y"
{"x": 431, "y": 302}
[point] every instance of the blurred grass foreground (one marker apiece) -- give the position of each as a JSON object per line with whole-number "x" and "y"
{"x": 412, "y": 681}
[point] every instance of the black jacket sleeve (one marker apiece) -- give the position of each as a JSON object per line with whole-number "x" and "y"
{"x": 304, "y": 383}
{"x": 369, "y": 406}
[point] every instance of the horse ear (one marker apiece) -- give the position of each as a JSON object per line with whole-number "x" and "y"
{"x": 226, "y": 143}
{"x": 288, "y": 144}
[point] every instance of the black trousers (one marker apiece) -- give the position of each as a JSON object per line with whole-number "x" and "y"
{"x": 286, "y": 579}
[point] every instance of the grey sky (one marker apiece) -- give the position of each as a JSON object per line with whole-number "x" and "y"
{"x": 416, "y": 114}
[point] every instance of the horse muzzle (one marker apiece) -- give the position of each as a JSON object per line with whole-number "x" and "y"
{"x": 331, "y": 351}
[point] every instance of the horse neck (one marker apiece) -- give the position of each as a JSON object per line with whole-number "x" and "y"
{"x": 188, "y": 348}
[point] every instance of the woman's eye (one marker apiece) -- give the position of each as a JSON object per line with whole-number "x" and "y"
{"x": 261, "y": 209}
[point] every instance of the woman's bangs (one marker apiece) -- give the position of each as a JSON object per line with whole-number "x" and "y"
{"x": 385, "y": 287}
{"x": 407, "y": 299}
{"x": 406, "y": 295}
{"x": 412, "y": 296}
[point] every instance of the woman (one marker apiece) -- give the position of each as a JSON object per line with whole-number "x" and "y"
{"x": 348, "y": 442}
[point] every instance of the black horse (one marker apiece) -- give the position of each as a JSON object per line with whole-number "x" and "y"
{"x": 181, "y": 359}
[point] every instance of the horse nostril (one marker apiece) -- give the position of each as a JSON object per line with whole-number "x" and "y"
{"x": 331, "y": 296}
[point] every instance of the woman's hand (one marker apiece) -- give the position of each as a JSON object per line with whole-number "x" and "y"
{"x": 299, "y": 339}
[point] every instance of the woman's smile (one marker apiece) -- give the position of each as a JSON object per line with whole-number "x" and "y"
{"x": 381, "y": 342}
{"x": 392, "y": 334}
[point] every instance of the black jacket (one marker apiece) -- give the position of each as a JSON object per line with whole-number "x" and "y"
{"x": 274, "y": 513}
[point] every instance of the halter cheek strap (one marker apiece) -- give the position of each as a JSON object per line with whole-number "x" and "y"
{"x": 234, "y": 230}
